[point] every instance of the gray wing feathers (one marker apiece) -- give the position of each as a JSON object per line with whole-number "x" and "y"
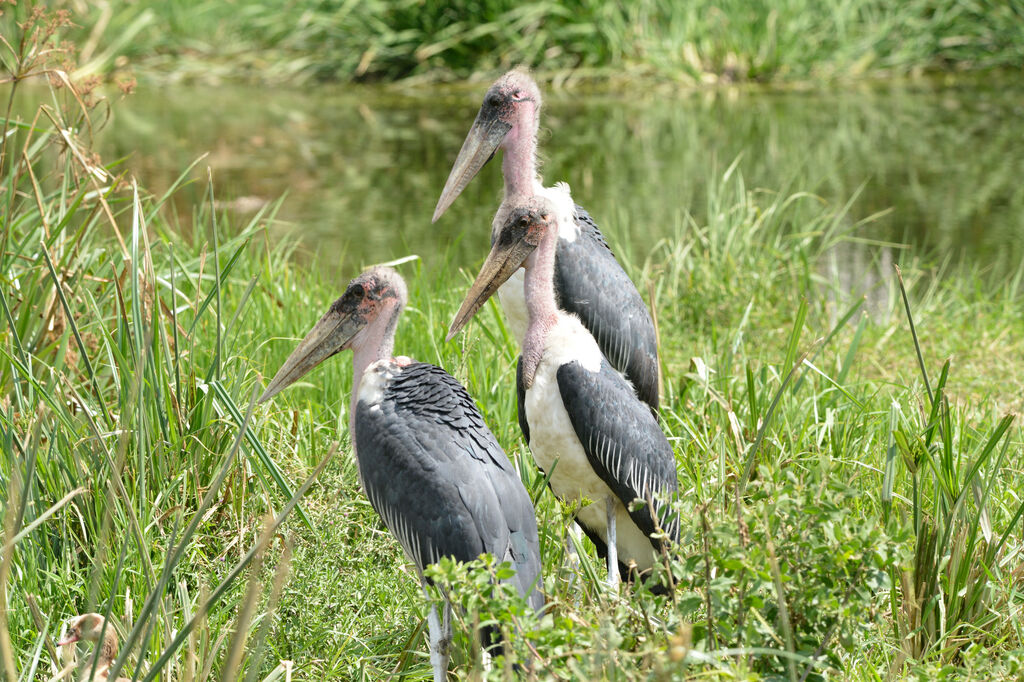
{"x": 590, "y": 283}
{"x": 623, "y": 442}
{"x": 439, "y": 479}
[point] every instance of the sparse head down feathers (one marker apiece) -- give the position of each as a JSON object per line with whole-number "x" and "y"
{"x": 534, "y": 217}
{"x": 516, "y": 85}
{"x": 381, "y": 282}
{"x": 363, "y": 319}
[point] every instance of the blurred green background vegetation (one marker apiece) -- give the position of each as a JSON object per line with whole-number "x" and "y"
{"x": 690, "y": 42}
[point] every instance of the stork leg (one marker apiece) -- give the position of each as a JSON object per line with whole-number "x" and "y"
{"x": 613, "y": 554}
{"x": 446, "y": 632}
{"x": 440, "y": 639}
{"x": 440, "y": 633}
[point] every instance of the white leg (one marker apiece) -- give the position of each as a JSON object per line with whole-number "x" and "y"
{"x": 446, "y": 629}
{"x": 613, "y": 554}
{"x": 440, "y": 638}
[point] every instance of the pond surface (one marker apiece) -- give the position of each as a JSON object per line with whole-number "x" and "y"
{"x": 362, "y": 168}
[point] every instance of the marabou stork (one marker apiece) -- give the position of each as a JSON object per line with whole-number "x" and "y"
{"x": 579, "y": 415}
{"x": 588, "y": 281}
{"x": 431, "y": 468}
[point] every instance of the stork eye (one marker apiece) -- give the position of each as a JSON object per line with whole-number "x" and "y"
{"x": 357, "y": 290}
{"x": 494, "y": 101}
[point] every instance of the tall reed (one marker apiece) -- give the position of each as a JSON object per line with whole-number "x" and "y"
{"x": 124, "y": 440}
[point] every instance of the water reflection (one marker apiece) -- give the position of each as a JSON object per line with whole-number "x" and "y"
{"x": 362, "y": 168}
{"x": 854, "y": 270}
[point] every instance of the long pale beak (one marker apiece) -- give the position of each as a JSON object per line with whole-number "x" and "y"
{"x": 479, "y": 147}
{"x": 501, "y": 263}
{"x": 68, "y": 640}
{"x": 330, "y": 335}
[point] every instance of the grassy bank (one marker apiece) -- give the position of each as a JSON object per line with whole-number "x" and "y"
{"x": 691, "y": 43}
{"x": 851, "y": 502}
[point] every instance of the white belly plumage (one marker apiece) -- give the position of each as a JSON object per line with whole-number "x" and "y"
{"x": 552, "y": 439}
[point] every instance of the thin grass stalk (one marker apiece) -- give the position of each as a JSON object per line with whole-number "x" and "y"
{"x": 214, "y": 372}
{"x": 780, "y": 595}
{"x": 913, "y": 333}
{"x": 219, "y": 277}
{"x": 253, "y": 281}
{"x": 30, "y": 672}
{"x": 174, "y": 555}
{"x": 191, "y": 659}
{"x": 276, "y": 587}
{"x": 237, "y": 570}
{"x": 840, "y": 378}
{"x": 43, "y": 627}
{"x": 200, "y": 636}
{"x": 174, "y": 330}
{"x": 252, "y": 594}
{"x": 9, "y": 544}
{"x": 795, "y": 333}
{"x": 83, "y": 351}
{"x": 708, "y": 602}
{"x": 115, "y": 464}
{"x": 748, "y": 468}
{"x": 268, "y": 463}
{"x": 889, "y": 471}
{"x": 146, "y": 619}
{"x": 97, "y": 650}
{"x": 6, "y": 559}
{"x": 587, "y": 566}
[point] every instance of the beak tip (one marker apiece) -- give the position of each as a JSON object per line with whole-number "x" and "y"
{"x": 439, "y": 210}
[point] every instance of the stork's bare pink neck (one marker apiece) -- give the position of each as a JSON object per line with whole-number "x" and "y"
{"x": 375, "y": 342}
{"x": 539, "y": 289}
{"x": 519, "y": 163}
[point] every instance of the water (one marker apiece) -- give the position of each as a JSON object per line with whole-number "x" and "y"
{"x": 362, "y": 168}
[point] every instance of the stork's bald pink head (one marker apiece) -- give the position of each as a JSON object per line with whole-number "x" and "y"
{"x": 522, "y": 233}
{"x": 507, "y": 119}
{"x": 364, "y": 317}
{"x": 515, "y": 100}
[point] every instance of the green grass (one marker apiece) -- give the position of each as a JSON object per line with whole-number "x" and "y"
{"x": 693, "y": 42}
{"x": 844, "y": 516}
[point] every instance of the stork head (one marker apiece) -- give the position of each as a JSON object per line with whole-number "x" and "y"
{"x": 520, "y": 235}
{"x": 365, "y": 315}
{"x": 511, "y": 110}
{"x": 86, "y": 627}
